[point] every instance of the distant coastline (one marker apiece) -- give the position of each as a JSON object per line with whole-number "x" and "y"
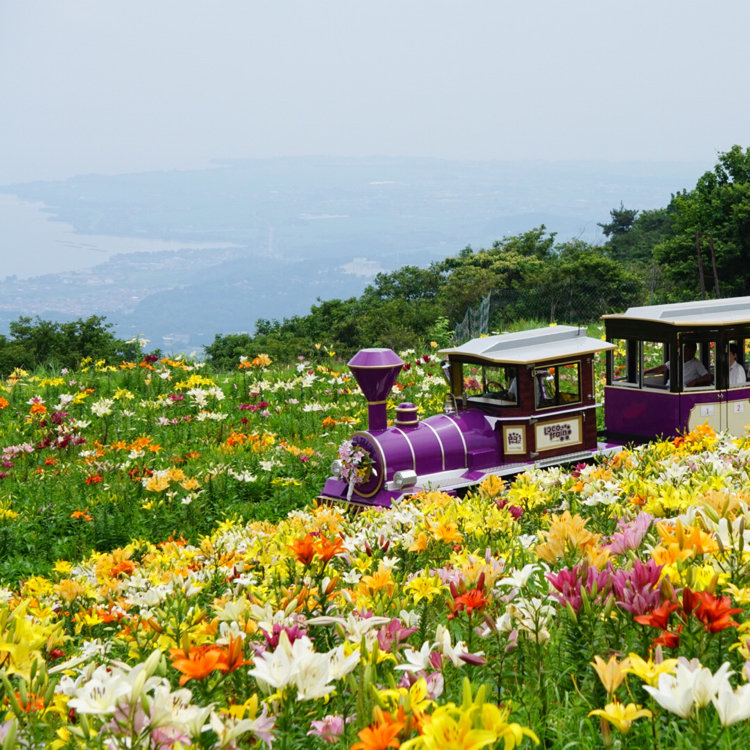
{"x": 182, "y": 255}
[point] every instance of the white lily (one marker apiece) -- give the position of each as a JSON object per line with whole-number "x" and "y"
{"x": 276, "y": 668}
{"x": 340, "y": 664}
{"x": 732, "y": 705}
{"x": 674, "y": 692}
{"x": 707, "y": 685}
{"x": 735, "y": 535}
{"x": 448, "y": 650}
{"x": 141, "y": 678}
{"x": 518, "y": 578}
{"x": 101, "y": 694}
{"x": 417, "y": 661}
{"x": 228, "y": 729}
{"x": 176, "y": 709}
{"x": 354, "y": 626}
{"x": 313, "y": 672}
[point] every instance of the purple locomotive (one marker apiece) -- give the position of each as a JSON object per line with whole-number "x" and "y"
{"x": 525, "y": 399}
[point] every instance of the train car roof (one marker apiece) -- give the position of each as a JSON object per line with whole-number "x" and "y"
{"x": 528, "y": 347}
{"x": 730, "y": 311}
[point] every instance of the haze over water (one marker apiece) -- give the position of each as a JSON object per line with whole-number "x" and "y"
{"x": 32, "y": 243}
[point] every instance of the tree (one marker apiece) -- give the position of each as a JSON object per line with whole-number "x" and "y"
{"x": 408, "y": 282}
{"x": 35, "y": 342}
{"x": 225, "y": 351}
{"x": 715, "y": 218}
{"x": 622, "y": 220}
{"x": 598, "y": 283}
{"x": 520, "y": 261}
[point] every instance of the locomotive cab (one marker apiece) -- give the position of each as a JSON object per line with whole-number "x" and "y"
{"x": 535, "y": 387}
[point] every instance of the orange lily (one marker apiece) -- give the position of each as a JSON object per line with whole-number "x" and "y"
{"x": 327, "y": 548}
{"x": 197, "y": 663}
{"x": 380, "y": 736}
{"x": 231, "y": 657}
{"x": 303, "y": 549}
{"x": 658, "y": 617}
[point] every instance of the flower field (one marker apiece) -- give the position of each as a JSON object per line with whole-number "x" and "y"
{"x": 156, "y": 448}
{"x": 168, "y": 582}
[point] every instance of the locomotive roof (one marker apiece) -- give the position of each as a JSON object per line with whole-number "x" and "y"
{"x": 730, "y": 311}
{"x": 528, "y": 347}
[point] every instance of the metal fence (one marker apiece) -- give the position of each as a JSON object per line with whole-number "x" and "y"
{"x": 571, "y": 303}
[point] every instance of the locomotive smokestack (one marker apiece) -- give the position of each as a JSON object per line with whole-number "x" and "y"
{"x": 375, "y": 371}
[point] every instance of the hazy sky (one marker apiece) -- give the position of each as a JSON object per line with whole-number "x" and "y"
{"x": 131, "y": 85}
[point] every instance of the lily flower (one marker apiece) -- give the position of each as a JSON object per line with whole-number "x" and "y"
{"x": 518, "y": 578}
{"x": 381, "y": 735}
{"x": 329, "y": 728}
{"x": 691, "y": 686}
{"x": 621, "y": 716}
{"x": 659, "y": 616}
{"x": 612, "y": 672}
{"x": 102, "y": 693}
{"x": 707, "y": 685}
{"x": 715, "y": 612}
{"x": 637, "y": 590}
{"x": 197, "y": 663}
{"x": 417, "y": 661}
{"x": 732, "y": 705}
{"x": 673, "y": 695}
{"x": 649, "y": 671}
{"x": 228, "y": 729}
{"x": 354, "y": 624}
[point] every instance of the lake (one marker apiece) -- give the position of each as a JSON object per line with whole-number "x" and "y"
{"x": 32, "y": 243}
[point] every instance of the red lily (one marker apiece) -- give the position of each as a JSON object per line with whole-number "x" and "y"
{"x": 690, "y": 600}
{"x": 659, "y": 616}
{"x": 668, "y": 639}
{"x": 715, "y": 612}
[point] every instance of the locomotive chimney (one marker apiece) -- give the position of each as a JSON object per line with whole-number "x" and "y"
{"x": 375, "y": 371}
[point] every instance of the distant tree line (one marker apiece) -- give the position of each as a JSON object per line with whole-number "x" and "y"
{"x": 411, "y": 306}
{"x": 697, "y": 246}
{"x": 35, "y": 342}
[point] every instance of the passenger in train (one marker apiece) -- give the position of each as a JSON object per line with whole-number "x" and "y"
{"x": 694, "y": 372}
{"x": 737, "y": 374}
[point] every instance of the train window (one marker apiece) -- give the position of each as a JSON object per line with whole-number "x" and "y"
{"x": 737, "y": 364}
{"x": 500, "y": 382}
{"x": 472, "y": 380}
{"x": 655, "y": 356}
{"x": 744, "y": 347}
{"x": 557, "y": 385}
{"x": 654, "y": 361}
{"x": 492, "y": 383}
{"x": 625, "y": 362}
{"x": 569, "y": 383}
{"x": 699, "y": 363}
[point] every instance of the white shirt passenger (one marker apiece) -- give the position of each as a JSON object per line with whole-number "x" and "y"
{"x": 737, "y": 374}
{"x": 691, "y": 370}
